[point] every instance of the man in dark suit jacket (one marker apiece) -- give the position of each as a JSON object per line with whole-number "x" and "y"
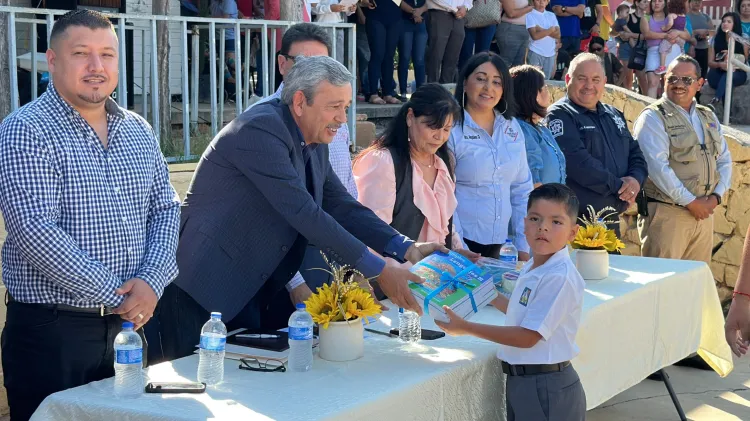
{"x": 264, "y": 188}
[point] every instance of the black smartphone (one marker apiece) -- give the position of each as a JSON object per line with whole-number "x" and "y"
{"x": 175, "y": 387}
{"x": 427, "y": 334}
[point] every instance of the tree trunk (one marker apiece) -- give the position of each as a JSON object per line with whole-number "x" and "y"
{"x": 161, "y": 7}
{"x": 4, "y": 64}
{"x": 291, "y": 10}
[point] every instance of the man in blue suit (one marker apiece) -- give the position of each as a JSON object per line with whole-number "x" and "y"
{"x": 264, "y": 187}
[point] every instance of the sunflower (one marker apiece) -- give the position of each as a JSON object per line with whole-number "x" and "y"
{"x": 613, "y": 243}
{"x": 591, "y": 237}
{"x": 343, "y": 299}
{"x": 359, "y": 303}
{"x": 322, "y": 306}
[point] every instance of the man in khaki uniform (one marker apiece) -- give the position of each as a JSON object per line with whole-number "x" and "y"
{"x": 689, "y": 168}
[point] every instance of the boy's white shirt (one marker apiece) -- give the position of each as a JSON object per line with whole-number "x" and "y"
{"x": 545, "y": 47}
{"x": 552, "y": 308}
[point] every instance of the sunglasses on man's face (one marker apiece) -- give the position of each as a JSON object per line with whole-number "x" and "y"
{"x": 684, "y": 80}
{"x": 596, "y": 49}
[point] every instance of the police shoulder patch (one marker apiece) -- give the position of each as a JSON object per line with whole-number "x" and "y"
{"x": 556, "y": 127}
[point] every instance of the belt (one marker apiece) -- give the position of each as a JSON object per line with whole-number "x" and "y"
{"x": 530, "y": 369}
{"x": 651, "y": 200}
{"x": 101, "y": 310}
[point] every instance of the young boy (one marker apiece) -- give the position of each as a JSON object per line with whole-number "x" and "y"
{"x": 621, "y": 23}
{"x": 542, "y": 316}
{"x": 544, "y": 31}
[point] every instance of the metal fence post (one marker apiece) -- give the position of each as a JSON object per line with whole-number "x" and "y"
{"x": 185, "y": 92}
{"x": 212, "y": 72}
{"x": 34, "y": 87}
{"x": 237, "y": 68}
{"x": 195, "y": 93}
{"x": 155, "y": 83}
{"x": 13, "y": 63}
{"x": 730, "y": 76}
{"x": 122, "y": 82}
{"x": 352, "y": 65}
{"x": 266, "y": 69}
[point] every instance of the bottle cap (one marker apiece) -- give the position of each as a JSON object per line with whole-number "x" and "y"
{"x": 508, "y": 240}
{"x": 215, "y": 314}
{"x": 301, "y": 306}
{"x": 400, "y": 310}
{"x": 127, "y": 325}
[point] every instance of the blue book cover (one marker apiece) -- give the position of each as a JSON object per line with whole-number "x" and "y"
{"x": 439, "y": 268}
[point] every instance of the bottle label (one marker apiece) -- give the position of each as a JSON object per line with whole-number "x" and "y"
{"x": 129, "y": 356}
{"x": 213, "y": 343}
{"x": 508, "y": 258}
{"x": 300, "y": 333}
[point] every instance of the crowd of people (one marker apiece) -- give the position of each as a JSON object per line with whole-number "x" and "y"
{"x": 431, "y": 40}
{"x": 97, "y": 234}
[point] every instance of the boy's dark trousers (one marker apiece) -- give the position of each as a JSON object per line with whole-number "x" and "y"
{"x": 534, "y": 397}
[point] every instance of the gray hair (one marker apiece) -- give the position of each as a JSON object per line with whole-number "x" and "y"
{"x": 309, "y": 72}
{"x": 583, "y": 58}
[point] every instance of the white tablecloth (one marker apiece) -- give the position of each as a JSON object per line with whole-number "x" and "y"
{"x": 648, "y": 314}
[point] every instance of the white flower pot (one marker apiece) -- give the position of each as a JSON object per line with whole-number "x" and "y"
{"x": 592, "y": 264}
{"x": 342, "y": 341}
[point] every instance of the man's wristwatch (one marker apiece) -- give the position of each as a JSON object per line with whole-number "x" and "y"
{"x": 564, "y": 9}
{"x": 717, "y": 196}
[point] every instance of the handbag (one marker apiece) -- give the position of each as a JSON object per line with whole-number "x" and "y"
{"x": 484, "y": 13}
{"x": 638, "y": 55}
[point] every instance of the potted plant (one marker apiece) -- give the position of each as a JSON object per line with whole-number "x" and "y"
{"x": 339, "y": 309}
{"x": 593, "y": 243}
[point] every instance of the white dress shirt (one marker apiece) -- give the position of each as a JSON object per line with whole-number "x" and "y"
{"x": 654, "y": 142}
{"x": 341, "y": 163}
{"x": 493, "y": 180}
{"x": 547, "y": 300}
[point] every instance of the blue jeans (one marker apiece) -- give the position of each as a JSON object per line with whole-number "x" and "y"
{"x": 411, "y": 48}
{"x": 383, "y": 38}
{"x": 717, "y": 79}
{"x": 476, "y": 40}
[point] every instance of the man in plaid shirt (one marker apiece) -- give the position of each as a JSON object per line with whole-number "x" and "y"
{"x": 92, "y": 220}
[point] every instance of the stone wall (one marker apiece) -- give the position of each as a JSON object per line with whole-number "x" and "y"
{"x": 731, "y": 219}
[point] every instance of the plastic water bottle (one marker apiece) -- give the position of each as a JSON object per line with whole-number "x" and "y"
{"x": 212, "y": 349}
{"x": 509, "y": 252}
{"x": 128, "y": 362}
{"x": 409, "y": 326}
{"x": 300, "y": 340}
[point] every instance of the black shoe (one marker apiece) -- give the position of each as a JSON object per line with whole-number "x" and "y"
{"x": 657, "y": 376}
{"x": 402, "y": 98}
{"x": 694, "y": 361}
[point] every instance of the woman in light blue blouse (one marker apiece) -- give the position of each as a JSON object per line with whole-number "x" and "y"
{"x": 493, "y": 180}
{"x": 546, "y": 160}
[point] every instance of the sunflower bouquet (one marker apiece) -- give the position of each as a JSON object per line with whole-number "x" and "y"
{"x": 344, "y": 299}
{"x": 594, "y": 234}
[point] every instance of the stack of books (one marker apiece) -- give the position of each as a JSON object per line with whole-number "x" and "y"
{"x": 451, "y": 280}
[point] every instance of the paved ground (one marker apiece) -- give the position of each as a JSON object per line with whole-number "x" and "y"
{"x": 704, "y": 397}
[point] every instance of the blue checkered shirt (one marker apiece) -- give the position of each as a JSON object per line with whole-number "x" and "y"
{"x": 82, "y": 219}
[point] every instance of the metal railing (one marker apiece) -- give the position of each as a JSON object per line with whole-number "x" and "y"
{"x": 189, "y": 28}
{"x": 731, "y": 64}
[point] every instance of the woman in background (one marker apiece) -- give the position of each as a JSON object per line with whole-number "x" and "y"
{"x": 546, "y": 160}
{"x": 406, "y": 176}
{"x": 718, "y": 55}
{"x": 493, "y": 180}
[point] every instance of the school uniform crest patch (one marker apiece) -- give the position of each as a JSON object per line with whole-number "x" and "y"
{"x": 524, "y": 301}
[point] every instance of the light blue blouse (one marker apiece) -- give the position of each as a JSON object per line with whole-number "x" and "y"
{"x": 546, "y": 160}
